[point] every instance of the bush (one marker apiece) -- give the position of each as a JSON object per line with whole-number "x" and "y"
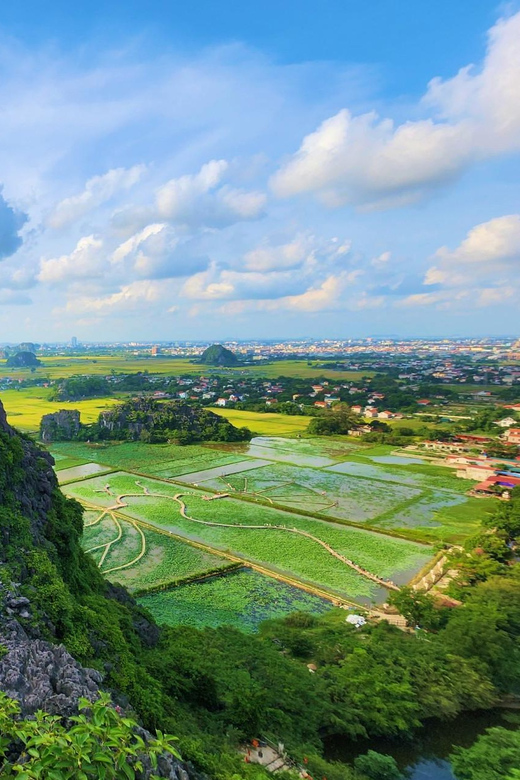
{"x": 101, "y": 743}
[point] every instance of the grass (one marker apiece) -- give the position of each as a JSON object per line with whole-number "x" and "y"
{"x": 242, "y": 599}
{"x": 26, "y": 407}
{"x": 290, "y": 553}
{"x": 267, "y": 423}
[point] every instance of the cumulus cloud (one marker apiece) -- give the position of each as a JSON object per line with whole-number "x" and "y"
{"x": 482, "y": 269}
{"x": 272, "y": 272}
{"x": 157, "y": 252}
{"x": 196, "y": 200}
{"x": 325, "y": 296}
{"x": 128, "y": 299}
{"x": 86, "y": 261}
{"x": 488, "y": 247}
{"x": 371, "y": 162}
{"x": 11, "y": 222}
{"x": 225, "y": 284}
{"x": 98, "y": 190}
{"x": 304, "y": 249}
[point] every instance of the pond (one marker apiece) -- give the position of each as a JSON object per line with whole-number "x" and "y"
{"x": 425, "y": 757}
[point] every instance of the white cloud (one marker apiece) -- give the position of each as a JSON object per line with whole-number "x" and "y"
{"x": 483, "y": 268}
{"x": 197, "y": 200}
{"x": 130, "y": 246}
{"x": 86, "y": 261}
{"x": 128, "y": 299}
{"x": 303, "y": 250}
{"x": 98, "y": 190}
{"x": 369, "y": 161}
{"x": 274, "y": 258}
{"x": 382, "y": 260}
{"x": 487, "y": 247}
{"x": 157, "y": 252}
{"x": 323, "y": 296}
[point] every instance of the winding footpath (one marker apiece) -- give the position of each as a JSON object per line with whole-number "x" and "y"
{"x": 120, "y": 504}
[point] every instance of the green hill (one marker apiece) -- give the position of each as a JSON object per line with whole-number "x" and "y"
{"x": 217, "y": 355}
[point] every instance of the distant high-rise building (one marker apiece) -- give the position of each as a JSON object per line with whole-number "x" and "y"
{"x": 74, "y": 342}
{"x": 155, "y": 351}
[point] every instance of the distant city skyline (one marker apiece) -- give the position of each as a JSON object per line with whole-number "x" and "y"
{"x": 304, "y": 171}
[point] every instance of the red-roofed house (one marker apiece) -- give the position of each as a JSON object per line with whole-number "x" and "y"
{"x": 512, "y": 436}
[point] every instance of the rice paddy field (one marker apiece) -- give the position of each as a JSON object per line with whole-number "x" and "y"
{"x": 264, "y": 422}
{"x": 26, "y": 407}
{"x": 278, "y": 548}
{"x": 311, "y": 495}
{"x": 141, "y": 558}
{"x": 70, "y": 365}
{"x": 73, "y": 473}
{"x": 163, "y": 460}
{"x": 316, "y": 490}
{"x": 242, "y": 599}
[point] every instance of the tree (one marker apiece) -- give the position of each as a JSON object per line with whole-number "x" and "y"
{"x": 494, "y": 756}
{"x": 418, "y": 608}
{"x": 377, "y": 766}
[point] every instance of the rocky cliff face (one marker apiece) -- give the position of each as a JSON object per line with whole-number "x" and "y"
{"x": 38, "y": 674}
{"x": 60, "y": 426}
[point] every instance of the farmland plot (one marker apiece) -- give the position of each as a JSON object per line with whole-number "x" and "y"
{"x": 164, "y": 560}
{"x": 313, "y": 490}
{"x": 77, "y": 472}
{"x": 284, "y": 550}
{"x": 163, "y": 460}
{"x": 242, "y": 599}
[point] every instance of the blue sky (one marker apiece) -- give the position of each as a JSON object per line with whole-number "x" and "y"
{"x": 235, "y": 170}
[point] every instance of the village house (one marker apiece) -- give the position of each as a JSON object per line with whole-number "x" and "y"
{"x": 512, "y": 436}
{"x": 507, "y": 422}
{"x": 386, "y": 415}
{"x": 371, "y": 412}
{"x": 221, "y": 402}
{"x": 442, "y": 446}
{"x": 356, "y": 409}
{"x": 320, "y": 404}
{"x": 330, "y": 399}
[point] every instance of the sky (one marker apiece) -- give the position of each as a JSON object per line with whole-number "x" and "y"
{"x": 234, "y": 170}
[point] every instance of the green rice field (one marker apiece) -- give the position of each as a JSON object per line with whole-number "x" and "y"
{"x": 242, "y": 599}
{"x": 142, "y": 558}
{"x": 280, "y": 549}
{"x": 163, "y": 460}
